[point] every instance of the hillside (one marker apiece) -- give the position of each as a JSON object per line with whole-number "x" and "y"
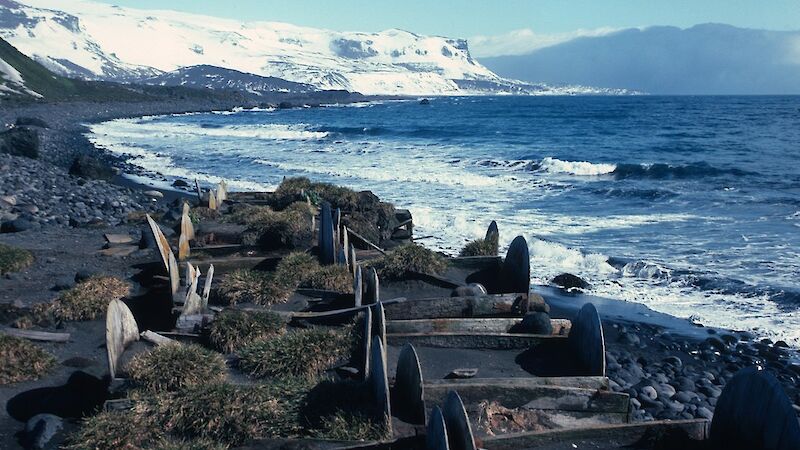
{"x": 704, "y": 59}
{"x": 92, "y": 40}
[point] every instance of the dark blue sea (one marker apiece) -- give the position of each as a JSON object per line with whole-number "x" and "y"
{"x": 690, "y": 205}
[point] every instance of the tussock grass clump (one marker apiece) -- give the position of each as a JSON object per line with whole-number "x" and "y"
{"x": 88, "y": 300}
{"x": 480, "y": 247}
{"x": 14, "y": 259}
{"x": 410, "y": 258}
{"x": 343, "y": 411}
{"x": 304, "y": 353}
{"x": 292, "y": 189}
{"x": 113, "y": 430}
{"x": 130, "y": 430}
{"x": 230, "y": 414}
{"x": 330, "y": 278}
{"x": 173, "y": 366}
{"x": 201, "y": 213}
{"x": 296, "y": 267}
{"x": 350, "y": 426}
{"x": 233, "y": 329}
{"x": 251, "y": 286}
{"x": 274, "y": 229}
{"x": 22, "y": 360}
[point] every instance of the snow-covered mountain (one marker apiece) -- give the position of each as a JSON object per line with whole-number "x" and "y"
{"x": 213, "y": 77}
{"x": 99, "y": 41}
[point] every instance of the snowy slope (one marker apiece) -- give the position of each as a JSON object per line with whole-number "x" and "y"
{"x": 94, "y": 40}
{"x": 11, "y": 82}
{"x": 213, "y": 77}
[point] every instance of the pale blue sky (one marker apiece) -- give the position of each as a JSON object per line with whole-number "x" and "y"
{"x": 482, "y": 17}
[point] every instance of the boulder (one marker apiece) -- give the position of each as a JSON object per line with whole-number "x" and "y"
{"x": 570, "y": 281}
{"x": 15, "y": 226}
{"x": 180, "y": 183}
{"x": 536, "y": 323}
{"x": 40, "y": 431}
{"x": 20, "y": 142}
{"x": 86, "y": 166}
{"x": 470, "y": 290}
{"x": 31, "y": 121}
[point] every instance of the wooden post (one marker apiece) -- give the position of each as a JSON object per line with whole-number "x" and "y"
{"x": 121, "y": 331}
{"x": 516, "y": 270}
{"x": 358, "y": 287}
{"x": 161, "y": 241}
{"x": 436, "y": 433}
{"x": 372, "y": 291}
{"x": 326, "y": 239}
{"x": 379, "y": 381}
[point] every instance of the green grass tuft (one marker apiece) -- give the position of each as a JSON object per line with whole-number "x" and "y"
{"x": 296, "y": 267}
{"x": 113, "y": 430}
{"x": 409, "y": 258}
{"x": 230, "y": 414}
{"x": 14, "y": 259}
{"x": 88, "y": 300}
{"x": 174, "y": 366}
{"x": 251, "y": 286}
{"x": 330, "y": 278}
{"x": 22, "y": 360}
{"x": 270, "y": 229}
{"x": 304, "y": 353}
{"x": 480, "y": 247}
{"x": 233, "y": 329}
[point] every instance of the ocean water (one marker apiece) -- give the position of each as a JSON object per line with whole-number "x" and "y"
{"x": 690, "y": 205}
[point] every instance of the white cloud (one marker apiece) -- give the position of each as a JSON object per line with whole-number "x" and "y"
{"x": 520, "y": 42}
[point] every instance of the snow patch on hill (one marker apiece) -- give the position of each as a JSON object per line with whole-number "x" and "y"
{"x": 95, "y": 40}
{"x": 11, "y": 81}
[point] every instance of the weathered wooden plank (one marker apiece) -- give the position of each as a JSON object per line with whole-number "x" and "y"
{"x": 455, "y": 307}
{"x": 366, "y": 343}
{"x": 32, "y": 335}
{"x": 476, "y": 262}
{"x": 121, "y": 331}
{"x": 183, "y": 247}
{"x": 207, "y": 286}
{"x": 118, "y": 239}
{"x": 379, "y": 322}
{"x": 435, "y": 280}
{"x": 620, "y": 435}
{"x": 587, "y": 342}
{"x": 594, "y": 383}
{"x": 459, "y": 431}
{"x": 489, "y": 341}
{"x": 561, "y": 327}
{"x": 531, "y": 396}
{"x": 408, "y": 402}
{"x": 365, "y": 241}
{"x": 754, "y": 412}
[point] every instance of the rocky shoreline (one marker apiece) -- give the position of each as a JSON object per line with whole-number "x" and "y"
{"x": 668, "y": 374}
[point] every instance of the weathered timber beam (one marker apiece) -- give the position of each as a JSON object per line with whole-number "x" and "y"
{"x": 492, "y": 341}
{"x": 484, "y": 325}
{"x": 543, "y": 397}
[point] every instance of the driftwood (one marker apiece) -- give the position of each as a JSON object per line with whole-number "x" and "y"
{"x": 365, "y": 241}
{"x": 155, "y": 338}
{"x": 42, "y": 336}
{"x": 118, "y": 239}
{"x": 583, "y": 382}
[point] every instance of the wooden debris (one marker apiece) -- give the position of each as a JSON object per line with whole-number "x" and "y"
{"x": 119, "y": 251}
{"x": 366, "y": 343}
{"x": 212, "y": 200}
{"x": 462, "y": 374}
{"x": 207, "y": 286}
{"x": 378, "y": 380}
{"x": 121, "y": 331}
{"x": 155, "y": 338}
{"x": 117, "y": 239}
{"x": 372, "y": 287}
{"x": 161, "y": 241}
{"x": 174, "y": 275}
{"x": 365, "y": 241}
{"x": 358, "y": 289}
{"x": 32, "y": 335}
